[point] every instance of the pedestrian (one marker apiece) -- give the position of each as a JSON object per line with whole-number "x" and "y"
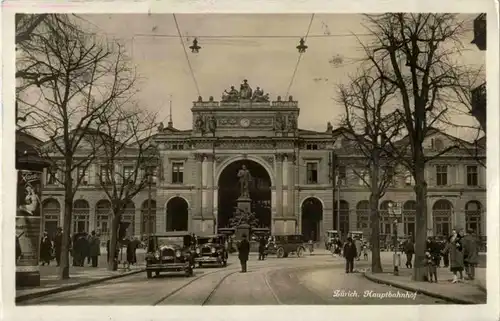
{"x": 262, "y": 248}
{"x": 409, "y": 250}
{"x": 94, "y": 248}
{"x": 358, "y": 245}
{"x": 131, "y": 257}
{"x": 350, "y": 254}
{"x": 471, "y": 253}
{"x": 243, "y": 252}
{"x": 430, "y": 264}
{"x": 45, "y": 249}
{"x": 87, "y": 248}
{"x": 455, "y": 250}
{"x": 365, "y": 251}
{"x": 445, "y": 254}
{"x": 58, "y": 245}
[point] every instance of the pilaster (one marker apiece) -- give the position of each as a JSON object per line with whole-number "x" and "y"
{"x": 279, "y": 184}
{"x": 198, "y": 203}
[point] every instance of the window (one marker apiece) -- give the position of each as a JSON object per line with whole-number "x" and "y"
{"x": 342, "y": 175}
{"x": 177, "y": 173}
{"x": 441, "y": 175}
{"x": 82, "y": 173}
{"x": 409, "y": 181}
{"x": 312, "y": 173}
{"x": 128, "y": 174}
{"x": 51, "y": 177}
{"x": 105, "y": 174}
{"x": 177, "y": 146}
{"x": 472, "y": 177}
{"x": 312, "y": 146}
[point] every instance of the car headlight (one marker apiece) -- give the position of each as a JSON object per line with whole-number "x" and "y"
{"x": 157, "y": 255}
{"x": 178, "y": 253}
{"x": 197, "y": 250}
{"x": 213, "y": 250}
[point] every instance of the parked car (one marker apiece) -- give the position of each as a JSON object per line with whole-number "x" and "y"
{"x": 169, "y": 252}
{"x": 211, "y": 249}
{"x": 283, "y": 245}
{"x": 330, "y": 236}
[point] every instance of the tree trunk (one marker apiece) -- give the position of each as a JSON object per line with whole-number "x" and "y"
{"x": 63, "y": 272}
{"x": 115, "y": 223}
{"x": 374, "y": 214}
{"x": 419, "y": 270}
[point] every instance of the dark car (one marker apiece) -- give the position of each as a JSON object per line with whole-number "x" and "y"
{"x": 211, "y": 249}
{"x": 283, "y": 245}
{"x": 169, "y": 252}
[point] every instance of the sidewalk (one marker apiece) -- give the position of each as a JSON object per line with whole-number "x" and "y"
{"x": 79, "y": 277}
{"x": 466, "y": 292}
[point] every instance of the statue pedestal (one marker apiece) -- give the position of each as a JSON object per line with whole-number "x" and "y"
{"x": 244, "y": 204}
{"x": 243, "y": 229}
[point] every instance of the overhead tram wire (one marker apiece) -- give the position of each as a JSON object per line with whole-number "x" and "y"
{"x": 186, "y": 55}
{"x": 338, "y": 35}
{"x": 300, "y": 58}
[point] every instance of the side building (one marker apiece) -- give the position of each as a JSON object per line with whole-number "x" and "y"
{"x": 195, "y": 186}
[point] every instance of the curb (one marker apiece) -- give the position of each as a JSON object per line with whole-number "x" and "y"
{"x": 63, "y": 288}
{"x": 425, "y": 292}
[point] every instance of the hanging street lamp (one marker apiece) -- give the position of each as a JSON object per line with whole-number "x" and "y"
{"x": 302, "y": 46}
{"x": 194, "y": 47}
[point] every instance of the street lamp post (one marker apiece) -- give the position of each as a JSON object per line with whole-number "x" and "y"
{"x": 396, "y": 256}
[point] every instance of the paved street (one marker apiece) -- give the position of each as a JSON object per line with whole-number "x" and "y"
{"x": 309, "y": 280}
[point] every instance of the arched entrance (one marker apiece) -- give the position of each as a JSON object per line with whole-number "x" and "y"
{"x": 344, "y": 217}
{"x": 103, "y": 215}
{"x": 473, "y": 216}
{"x": 51, "y": 211}
{"x": 409, "y": 216}
{"x": 312, "y": 217}
{"x": 229, "y": 191}
{"x": 441, "y": 216}
{"x": 81, "y": 216}
{"x": 148, "y": 214}
{"x": 363, "y": 217}
{"x": 177, "y": 214}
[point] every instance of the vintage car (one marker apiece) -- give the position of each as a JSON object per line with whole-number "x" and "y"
{"x": 357, "y": 234}
{"x": 330, "y": 236}
{"x": 211, "y": 249}
{"x": 169, "y": 252}
{"x": 283, "y": 245}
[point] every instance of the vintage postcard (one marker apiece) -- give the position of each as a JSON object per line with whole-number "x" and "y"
{"x": 184, "y": 155}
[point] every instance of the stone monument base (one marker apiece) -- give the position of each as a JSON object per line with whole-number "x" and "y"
{"x": 244, "y": 204}
{"x": 243, "y": 229}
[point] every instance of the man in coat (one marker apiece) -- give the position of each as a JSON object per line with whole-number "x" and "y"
{"x": 94, "y": 248}
{"x": 58, "y": 245}
{"x": 471, "y": 254}
{"x": 45, "y": 249}
{"x": 409, "y": 250}
{"x": 243, "y": 252}
{"x": 350, "y": 254}
{"x": 262, "y": 248}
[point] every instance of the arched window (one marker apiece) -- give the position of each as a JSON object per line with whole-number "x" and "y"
{"x": 81, "y": 216}
{"x": 473, "y": 211}
{"x": 148, "y": 214}
{"x": 363, "y": 215}
{"x": 103, "y": 216}
{"x": 441, "y": 213}
{"x": 409, "y": 211}
{"x": 51, "y": 212}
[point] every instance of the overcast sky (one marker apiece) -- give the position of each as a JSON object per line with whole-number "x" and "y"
{"x": 269, "y": 62}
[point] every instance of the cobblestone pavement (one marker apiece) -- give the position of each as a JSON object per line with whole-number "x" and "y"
{"x": 309, "y": 280}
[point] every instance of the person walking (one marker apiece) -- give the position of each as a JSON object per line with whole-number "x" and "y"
{"x": 455, "y": 250}
{"x": 350, "y": 254}
{"x": 471, "y": 253}
{"x": 262, "y": 248}
{"x": 445, "y": 255}
{"x": 58, "y": 245}
{"x": 45, "y": 249}
{"x": 359, "y": 246}
{"x": 94, "y": 248}
{"x": 409, "y": 249}
{"x": 131, "y": 256}
{"x": 243, "y": 252}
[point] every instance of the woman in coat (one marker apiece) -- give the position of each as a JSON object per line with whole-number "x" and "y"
{"x": 94, "y": 248}
{"x": 45, "y": 249}
{"x": 455, "y": 250}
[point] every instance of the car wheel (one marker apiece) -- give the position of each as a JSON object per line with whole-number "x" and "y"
{"x": 149, "y": 274}
{"x": 300, "y": 251}
{"x": 280, "y": 252}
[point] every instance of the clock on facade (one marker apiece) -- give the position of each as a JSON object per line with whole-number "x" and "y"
{"x": 244, "y": 122}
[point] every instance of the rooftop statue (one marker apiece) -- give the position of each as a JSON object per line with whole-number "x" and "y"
{"x": 258, "y": 95}
{"x": 231, "y": 95}
{"x": 245, "y": 90}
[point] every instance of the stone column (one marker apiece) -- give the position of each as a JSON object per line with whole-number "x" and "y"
{"x": 279, "y": 184}
{"x": 198, "y": 204}
{"x": 204, "y": 186}
{"x": 92, "y": 217}
{"x": 291, "y": 185}
{"x": 210, "y": 186}
{"x": 285, "y": 185}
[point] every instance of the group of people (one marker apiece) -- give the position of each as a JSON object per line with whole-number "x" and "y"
{"x": 459, "y": 252}
{"x": 83, "y": 247}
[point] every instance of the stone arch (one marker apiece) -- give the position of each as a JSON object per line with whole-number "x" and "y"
{"x": 103, "y": 218}
{"x": 128, "y": 218}
{"x": 148, "y": 217}
{"x": 81, "y": 216}
{"x": 363, "y": 216}
{"x": 260, "y": 161}
{"x": 441, "y": 216}
{"x": 473, "y": 211}
{"x": 177, "y": 214}
{"x": 311, "y": 218}
{"x": 51, "y": 210}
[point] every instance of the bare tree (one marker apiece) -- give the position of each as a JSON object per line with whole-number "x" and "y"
{"x": 418, "y": 54}
{"x": 127, "y": 158}
{"x": 371, "y": 128}
{"x": 85, "y": 75}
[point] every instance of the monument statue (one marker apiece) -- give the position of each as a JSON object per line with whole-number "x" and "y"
{"x": 245, "y": 90}
{"x": 292, "y": 122}
{"x": 245, "y": 178}
{"x": 231, "y": 95}
{"x": 279, "y": 123}
{"x": 160, "y": 126}
{"x": 258, "y": 95}
{"x": 199, "y": 123}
